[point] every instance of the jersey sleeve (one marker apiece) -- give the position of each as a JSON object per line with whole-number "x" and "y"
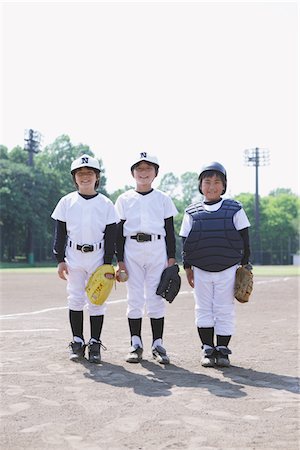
{"x": 59, "y": 212}
{"x": 240, "y": 220}
{"x": 186, "y": 225}
{"x": 170, "y": 208}
{"x": 112, "y": 216}
{"x": 119, "y": 209}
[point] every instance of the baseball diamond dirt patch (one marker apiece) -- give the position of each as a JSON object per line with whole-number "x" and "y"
{"x": 49, "y": 402}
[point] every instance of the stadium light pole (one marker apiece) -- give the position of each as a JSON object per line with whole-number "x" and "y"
{"x": 32, "y": 140}
{"x": 257, "y": 157}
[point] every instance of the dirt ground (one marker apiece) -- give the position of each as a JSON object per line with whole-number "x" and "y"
{"x": 49, "y": 402}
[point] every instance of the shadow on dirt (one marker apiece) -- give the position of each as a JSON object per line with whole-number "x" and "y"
{"x": 160, "y": 380}
{"x": 258, "y": 379}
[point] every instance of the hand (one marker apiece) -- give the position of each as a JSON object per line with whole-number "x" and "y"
{"x": 190, "y": 276}
{"x": 171, "y": 262}
{"x": 121, "y": 272}
{"x": 62, "y": 270}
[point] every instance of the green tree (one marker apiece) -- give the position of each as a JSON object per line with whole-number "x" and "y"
{"x": 169, "y": 184}
{"x": 279, "y": 225}
{"x": 189, "y": 187}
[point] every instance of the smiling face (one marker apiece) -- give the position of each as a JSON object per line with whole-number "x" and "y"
{"x": 212, "y": 187}
{"x": 85, "y": 179}
{"x": 144, "y": 174}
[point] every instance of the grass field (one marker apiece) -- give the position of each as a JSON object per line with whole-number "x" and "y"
{"x": 264, "y": 271}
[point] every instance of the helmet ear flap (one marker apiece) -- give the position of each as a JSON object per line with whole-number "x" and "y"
{"x": 199, "y": 185}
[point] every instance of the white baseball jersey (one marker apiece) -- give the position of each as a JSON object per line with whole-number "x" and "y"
{"x": 86, "y": 221}
{"x": 145, "y": 213}
{"x": 144, "y": 261}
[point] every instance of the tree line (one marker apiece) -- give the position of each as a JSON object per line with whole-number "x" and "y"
{"x": 29, "y": 194}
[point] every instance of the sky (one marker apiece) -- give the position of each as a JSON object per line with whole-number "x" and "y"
{"x": 188, "y": 82}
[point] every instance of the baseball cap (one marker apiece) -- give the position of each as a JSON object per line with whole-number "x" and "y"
{"x": 85, "y": 161}
{"x": 144, "y": 156}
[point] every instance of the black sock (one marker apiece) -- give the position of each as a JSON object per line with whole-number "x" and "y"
{"x": 157, "y": 326}
{"x": 223, "y": 340}
{"x": 206, "y": 335}
{"x": 135, "y": 327}
{"x": 76, "y": 322}
{"x": 96, "y": 323}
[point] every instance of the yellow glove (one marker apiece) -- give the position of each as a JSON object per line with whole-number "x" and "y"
{"x": 100, "y": 284}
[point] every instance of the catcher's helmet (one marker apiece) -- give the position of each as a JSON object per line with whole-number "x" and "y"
{"x": 214, "y": 167}
{"x": 144, "y": 156}
{"x": 85, "y": 161}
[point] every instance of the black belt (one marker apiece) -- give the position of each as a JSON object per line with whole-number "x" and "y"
{"x": 85, "y": 248}
{"x": 143, "y": 237}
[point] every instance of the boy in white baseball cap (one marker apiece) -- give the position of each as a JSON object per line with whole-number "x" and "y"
{"x": 145, "y": 247}
{"x": 85, "y": 235}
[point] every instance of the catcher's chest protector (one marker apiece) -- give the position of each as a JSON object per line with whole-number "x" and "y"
{"x": 213, "y": 243}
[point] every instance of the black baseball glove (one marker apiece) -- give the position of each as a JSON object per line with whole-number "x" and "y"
{"x": 170, "y": 283}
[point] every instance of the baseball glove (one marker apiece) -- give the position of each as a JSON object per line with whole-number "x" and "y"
{"x": 170, "y": 283}
{"x": 243, "y": 283}
{"x": 100, "y": 284}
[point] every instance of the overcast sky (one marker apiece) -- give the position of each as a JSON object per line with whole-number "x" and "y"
{"x": 189, "y": 82}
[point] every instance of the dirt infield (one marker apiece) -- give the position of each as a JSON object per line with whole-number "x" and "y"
{"x": 49, "y": 402}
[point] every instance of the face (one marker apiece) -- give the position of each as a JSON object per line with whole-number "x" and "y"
{"x": 85, "y": 179}
{"x": 144, "y": 174}
{"x": 212, "y": 188}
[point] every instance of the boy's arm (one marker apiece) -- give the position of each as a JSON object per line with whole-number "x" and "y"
{"x": 110, "y": 234}
{"x": 60, "y": 238}
{"x": 59, "y": 245}
{"x": 188, "y": 268}
{"x": 170, "y": 240}
{"x": 185, "y": 265}
{"x": 245, "y": 236}
{"x": 120, "y": 241}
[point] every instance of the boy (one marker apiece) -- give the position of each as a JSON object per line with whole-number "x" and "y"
{"x": 145, "y": 247}
{"x": 85, "y": 235}
{"x": 215, "y": 242}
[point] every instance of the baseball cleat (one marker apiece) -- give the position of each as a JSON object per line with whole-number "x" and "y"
{"x": 135, "y": 354}
{"x": 77, "y": 351}
{"x": 160, "y": 355}
{"x": 222, "y": 359}
{"x": 94, "y": 351}
{"x": 208, "y": 357}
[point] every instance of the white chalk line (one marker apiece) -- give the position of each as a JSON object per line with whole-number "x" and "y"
{"x": 122, "y": 300}
{"x": 57, "y": 308}
{"x": 30, "y": 330}
{"x": 272, "y": 280}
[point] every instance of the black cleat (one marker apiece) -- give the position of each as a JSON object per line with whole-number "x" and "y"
{"x": 208, "y": 357}
{"x": 94, "y": 351}
{"x": 77, "y": 351}
{"x": 135, "y": 354}
{"x": 222, "y": 359}
{"x": 160, "y": 355}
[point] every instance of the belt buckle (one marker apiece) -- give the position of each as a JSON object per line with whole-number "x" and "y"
{"x": 140, "y": 237}
{"x": 86, "y": 248}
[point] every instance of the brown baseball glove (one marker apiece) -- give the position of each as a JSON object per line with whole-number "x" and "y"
{"x": 243, "y": 283}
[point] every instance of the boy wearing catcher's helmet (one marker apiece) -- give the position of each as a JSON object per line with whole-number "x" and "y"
{"x": 85, "y": 236}
{"x": 145, "y": 247}
{"x": 215, "y": 242}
